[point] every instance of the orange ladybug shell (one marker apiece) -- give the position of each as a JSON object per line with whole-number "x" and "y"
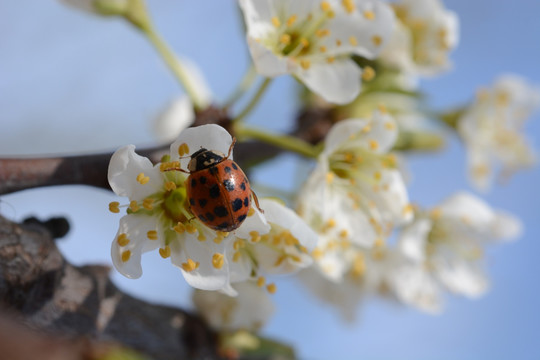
{"x": 220, "y": 195}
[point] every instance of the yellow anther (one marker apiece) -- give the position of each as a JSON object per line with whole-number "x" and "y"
{"x": 236, "y": 256}
{"x": 179, "y": 228}
{"x": 379, "y": 243}
{"x": 148, "y": 203}
{"x": 331, "y": 223}
{"x": 134, "y": 206}
{"x": 322, "y": 33}
{"x": 261, "y": 281}
{"x": 251, "y": 212}
{"x": 190, "y": 265}
{"x": 377, "y": 40}
{"x": 291, "y": 20}
{"x": 165, "y": 252}
{"x": 304, "y": 42}
{"x": 322, "y": 49}
{"x": 255, "y": 236}
{"x": 386, "y": 187}
{"x": 373, "y": 144}
{"x": 368, "y": 14}
{"x": 377, "y": 175}
{"x": 353, "y": 41}
{"x": 325, "y": 6}
{"x": 338, "y": 42}
{"x": 366, "y": 129}
{"x": 368, "y": 74}
{"x": 330, "y": 59}
{"x": 343, "y": 233}
{"x": 183, "y": 149}
{"x": 408, "y": 208}
{"x": 348, "y": 5}
{"x": 218, "y": 260}
{"x": 238, "y": 244}
{"x": 167, "y": 166}
{"x": 389, "y": 125}
{"x": 359, "y": 265}
{"x": 305, "y": 64}
{"x": 126, "y": 255}
{"x": 142, "y": 179}
{"x": 191, "y": 229}
{"x": 271, "y": 288}
{"x": 201, "y": 237}
{"x": 285, "y": 39}
{"x": 303, "y": 249}
{"x": 122, "y": 239}
{"x": 218, "y": 239}
{"x": 329, "y": 177}
{"x": 152, "y": 235}
{"x": 113, "y": 207}
{"x": 317, "y": 253}
{"x": 436, "y": 213}
{"x": 276, "y": 22}
{"x": 170, "y": 185}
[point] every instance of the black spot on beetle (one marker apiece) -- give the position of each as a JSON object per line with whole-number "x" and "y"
{"x": 213, "y": 170}
{"x": 234, "y": 166}
{"x": 243, "y": 186}
{"x": 214, "y": 191}
{"x": 246, "y": 202}
{"x": 237, "y": 204}
{"x": 192, "y": 201}
{"x": 210, "y": 216}
{"x": 220, "y": 211}
{"x": 193, "y": 182}
{"x": 228, "y": 170}
{"x": 241, "y": 218}
{"x": 202, "y": 180}
{"x": 203, "y": 202}
{"x": 223, "y": 226}
{"x": 229, "y": 185}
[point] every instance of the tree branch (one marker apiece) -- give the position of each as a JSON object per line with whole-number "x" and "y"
{"x": 39, "y": 285}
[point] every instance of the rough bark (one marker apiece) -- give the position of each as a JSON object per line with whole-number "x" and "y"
{"x": 80, "y": 308}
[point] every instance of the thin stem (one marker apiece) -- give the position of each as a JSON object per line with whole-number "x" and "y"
{"x": 286, "y": 142}
{"x": 174, "y": 65}
{"x": 241, "y": 88}
{"x": 251, "y": 105}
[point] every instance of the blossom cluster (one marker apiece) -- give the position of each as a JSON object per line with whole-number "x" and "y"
{"x": 354, "y": 232}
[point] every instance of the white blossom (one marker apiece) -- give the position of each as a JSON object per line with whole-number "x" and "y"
{"x": 446, "y": 246}
{"x": 158, "y": 215}
{"x": 425, "y": 34}
{"x": 355, "y": 195}
{"x": 313, "y": 40}
{"x": 492, "y": 130}
{"x": 250, "y": 310}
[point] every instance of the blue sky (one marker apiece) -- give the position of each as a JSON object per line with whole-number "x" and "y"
{"x": 73, "y": 83}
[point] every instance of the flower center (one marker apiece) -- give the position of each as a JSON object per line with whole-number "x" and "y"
{"x": 175, "y": 205}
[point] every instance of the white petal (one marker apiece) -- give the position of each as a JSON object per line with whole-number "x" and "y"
{"x": 256, "y": 222}
{"x": 286, "y": 218}
{"x": 135, "y": 227}
{"x": 468, "y": 209}
{"x": 461, "y": 276}
{"x": 258, "y": 15}
{"x": 178, "y": 116}
{"x": 506, "y": 226}
{"x": 205, "y": 276}
{"x": 211, "y": 137}
{"x": 266, "y": 62}
{"x": 125, "y": 166}
{"x": 338, "y": 82}
{"x": 342, "y": 132}
{"x": 413, "y": 239}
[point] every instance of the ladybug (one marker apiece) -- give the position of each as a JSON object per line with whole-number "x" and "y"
{"x": 218, "y": 190}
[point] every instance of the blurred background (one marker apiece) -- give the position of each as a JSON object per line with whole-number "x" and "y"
{"x": 74, "y": 83}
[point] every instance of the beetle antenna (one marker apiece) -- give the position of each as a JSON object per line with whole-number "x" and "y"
{"x": 231, "y": 147}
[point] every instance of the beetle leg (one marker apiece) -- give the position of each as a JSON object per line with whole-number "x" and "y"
{"x": 256, "y": 201}
{"x": 178, "y": 169}
{"x": 231, "y": 147}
